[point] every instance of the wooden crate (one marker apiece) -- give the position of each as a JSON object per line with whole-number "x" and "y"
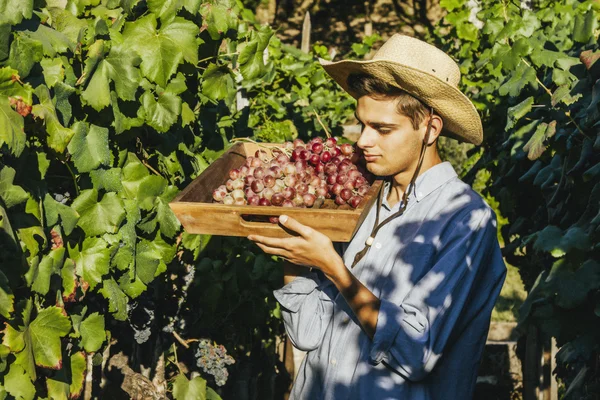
{"x": 195, "y": 209}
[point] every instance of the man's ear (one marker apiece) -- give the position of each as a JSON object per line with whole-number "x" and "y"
{"x": 437, "y": 125}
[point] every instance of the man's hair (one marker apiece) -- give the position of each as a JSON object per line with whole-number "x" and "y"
{"x": 407, "y": 105}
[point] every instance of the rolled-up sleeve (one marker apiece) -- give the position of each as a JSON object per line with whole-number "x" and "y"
{"x": 307, "y": 309}
{"x": 411, "y": 336}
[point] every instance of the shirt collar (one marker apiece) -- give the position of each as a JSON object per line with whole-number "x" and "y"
{"x": 427, "y": 182}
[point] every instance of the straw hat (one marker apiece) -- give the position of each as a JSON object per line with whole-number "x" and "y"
{"x": 423, "y": 71}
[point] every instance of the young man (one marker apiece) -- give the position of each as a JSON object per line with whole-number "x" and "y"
{"x": 403, "y": 310}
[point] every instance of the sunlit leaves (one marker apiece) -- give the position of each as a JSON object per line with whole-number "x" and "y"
{"x": 163, "y": 112}
{"x": 99, "y": 217}
{"x": 217, "y": 83}
{"x": 10, "y": 194}
{"x": 58, "y": 136}
{"x": 92, "y": 332}
{"x": 117, "y": 300}
{"x": 251, "y": 57}
{"x": 13, "y": 11}
{"x": 89, "y": 147}
{"x": 162, "y": 50}
{"x": 91, "y": 259}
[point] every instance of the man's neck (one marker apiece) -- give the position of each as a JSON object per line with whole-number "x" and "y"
{"x": 401, "y": 181}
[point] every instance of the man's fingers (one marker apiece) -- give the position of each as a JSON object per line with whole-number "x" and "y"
{"x": 276, "y": 251}
{"x": 269, "y": 241}
{"x": 294, "y": 225}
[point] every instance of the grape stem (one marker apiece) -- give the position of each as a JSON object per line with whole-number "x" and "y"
{"x": 322, "y": 125}
{"x": 185, "y": 343}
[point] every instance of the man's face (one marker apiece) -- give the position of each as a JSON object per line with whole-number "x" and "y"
{"x": 388, "y": 140}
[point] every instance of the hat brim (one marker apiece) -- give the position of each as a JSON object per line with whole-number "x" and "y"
{"x": 461, "y": 119}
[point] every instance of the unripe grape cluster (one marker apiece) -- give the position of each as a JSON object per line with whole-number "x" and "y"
{"x": 296, "y": 175}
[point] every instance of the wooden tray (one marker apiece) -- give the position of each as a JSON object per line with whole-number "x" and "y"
{"x": 195, "y": 209}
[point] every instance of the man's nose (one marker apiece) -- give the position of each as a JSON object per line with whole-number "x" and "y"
{"x": 367, "y": 138}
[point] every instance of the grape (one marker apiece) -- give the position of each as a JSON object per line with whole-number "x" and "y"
{"x": 346, "y": 194}
{"x": 295, "y": 175}
{"x": 354, "y": 201}
{"x": 213, "y": 360}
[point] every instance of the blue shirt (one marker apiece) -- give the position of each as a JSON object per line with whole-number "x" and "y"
{"x": 437, "y": 271}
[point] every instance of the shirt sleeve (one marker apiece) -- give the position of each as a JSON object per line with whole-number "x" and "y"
{"x": 412, "y": 336}
{"x": 307, "y": 309}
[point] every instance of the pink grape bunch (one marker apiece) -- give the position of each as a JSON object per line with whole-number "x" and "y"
{"x": 296, "y": 175}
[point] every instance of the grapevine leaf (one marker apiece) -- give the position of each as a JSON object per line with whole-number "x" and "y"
{"x": 131, "y": 284}
{"x": 169, "y": 224}
{"x": 189, "y": 389}
{"x": 11, "y": 128}
{"x": 50, "y": 264}
{"x": 52, "y": 41}
{"x": 92, "y": 332}
{"x": 523, "y": 76}
{"x": 552, "y": 240}
{"x": 573, "y": 285}
{"x": 18, "y": 384}
{"x": 193, "y": 6}
{"x": 13, "y": 11}
{"x": 92, "y": 260}
{"x": 62, "y": 92}
{"x": 536, "y": 144}
{"x": 78, "y": 367}
{"x": 117, "y": 300}
{"x": 251, "y": 59}
{"x": 97, "y": 218}
{"x": 67, "y": 23}
{"x": 585, "y": 25}
{"x": 43, "y": 335}
{"x": 7, "y": 298}
{"x": 69, "y": 280}
{"x": 68, "y": 382}
{"x": 517, "y": 112}
{"x": 217, "y": 82}
{"x": 151, "y": 258}
{"x": 162, "y": 50}
{"x": 11, "y": 194}
{"x": 53, "y": 71}
{"x": 59, "y": 136}
{"x": 89, "y": 147}
{"x": 24, "y": 53}
{"x": 161, "y": 114}
{"x": 54, "y": 209}
{"x": 451, "y": 5}
{"x": 164, "y": 9}
{"x": 11, "y": 87}
{"x": 119, "y": 67}
{"x": 561, "y": 94}
{"x": 218, "y": 17}
{"x": 187, "y": 115}
{"x": 177, "y": 85}
{"x": 107, "y": 179}
{"x": 5, "y": 36}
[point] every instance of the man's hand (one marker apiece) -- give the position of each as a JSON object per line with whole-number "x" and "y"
{"x": 310, "y": 248}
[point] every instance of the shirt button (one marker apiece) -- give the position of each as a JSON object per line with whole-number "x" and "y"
{"x": 377, "y": 246}
{"x": 333, "y": 362}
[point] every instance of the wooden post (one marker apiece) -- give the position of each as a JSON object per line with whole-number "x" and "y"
{"x": 531, "y": 376}
{"x": 368, "y": 23}
{"x": 306, "y": 33}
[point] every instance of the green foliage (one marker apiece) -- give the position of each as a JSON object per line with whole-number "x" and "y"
{"x": 108, "y": 108}
{"x": 533, "y": 74}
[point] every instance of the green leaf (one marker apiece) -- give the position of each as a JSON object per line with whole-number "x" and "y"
{"x": 11, "y": 128}
{"x": 218, "y": 18}
{"x": 193, "y": 6}
{"x": 52, "y": 41}
{"x": 517, "y": 112}
{"x": 59, "y": 136}
{"x": 217, "y": 82}
{"x": 89, "y": 147}
{"x": 184, "y": 389}
{"x": 120, "y": 67}
{"x": 53, "y": 71}
{"x": 161, "y": 114}
{"x": 7, "y": 298}
{"x": 69, "y": 280}
{"x": 97, "y": 218}
{"x": 169, "y": 224}
{"x": 585, "y": 25}
{"x": 251, "y": 59}
{"x": 24, "y": 53}
{"x": 187, "y": 115}
{"x": 92, "y": 332}
{"x": 54, "y": 209}
{"x": 551, "y": 239}
{"x": 13, "y": 11}
{"x": 152, "y": 257}
{"x": 107, "y": 179}
{"x": 562, "y": 94}
{"x": 573, "y": 284}
{"x": 523, "y": 76}
{"x": 164, "y": 49}
{"x": 11, "y": 194}
{"x": 50, "y": 264}
{"x": 537, "y": 143}
{"x": 164, "y": 9}
{"x": 10, "y": 86}
{"x": 91, "y": 260}
{"x": 18, "y": 384}
{"x": 117, "y": 300}
{"x": 68, "y": 382}
{"x": 451, "y": 5}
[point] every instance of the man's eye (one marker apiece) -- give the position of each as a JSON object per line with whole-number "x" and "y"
{"x": 383, "y": 131}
